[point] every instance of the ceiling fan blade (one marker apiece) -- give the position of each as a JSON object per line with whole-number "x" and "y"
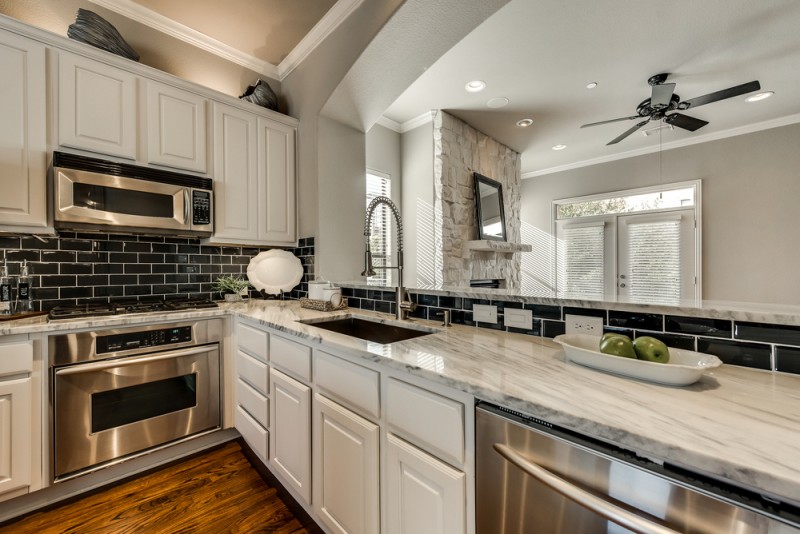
{"x": 627, "y": 133}
{"x": 662, "y": 94}
{"x": 684, "y": 121}
{"x": 612, "y": 120}
{"x": 730, "y": 92}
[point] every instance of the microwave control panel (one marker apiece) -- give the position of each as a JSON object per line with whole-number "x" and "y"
{"x": 201, "y": 207}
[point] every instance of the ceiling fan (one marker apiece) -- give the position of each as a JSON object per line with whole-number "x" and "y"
{"x": 663, "y": 100}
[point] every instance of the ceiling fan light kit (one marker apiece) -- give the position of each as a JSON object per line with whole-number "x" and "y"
{"x": 663, "y": 100}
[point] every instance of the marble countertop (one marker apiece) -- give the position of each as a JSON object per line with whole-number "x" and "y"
{"x": 737, "y": 424}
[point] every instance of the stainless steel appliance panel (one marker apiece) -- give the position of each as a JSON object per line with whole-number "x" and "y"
{"x": 531, "y": 480}
{"x": 108, "y": 409}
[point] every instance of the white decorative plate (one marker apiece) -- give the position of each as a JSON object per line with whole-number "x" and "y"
{"x": 274, "y": 271}
{"x": 685, "y": 366}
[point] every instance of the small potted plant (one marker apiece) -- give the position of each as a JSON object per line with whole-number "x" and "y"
{"x": 233, "y": 287}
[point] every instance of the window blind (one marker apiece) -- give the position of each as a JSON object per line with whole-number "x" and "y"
{"x": 380, "y": 239}
{"x": 583, "y": 260}
{"x": 654, "y": 252}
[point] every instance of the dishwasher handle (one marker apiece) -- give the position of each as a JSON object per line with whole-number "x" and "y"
{"x": 606, "y": 509}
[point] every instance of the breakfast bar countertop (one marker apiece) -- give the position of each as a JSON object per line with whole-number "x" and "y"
{"x": 737, "y": 424}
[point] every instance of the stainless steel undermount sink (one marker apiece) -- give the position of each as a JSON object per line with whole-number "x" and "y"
{"x": 365, "y": 329}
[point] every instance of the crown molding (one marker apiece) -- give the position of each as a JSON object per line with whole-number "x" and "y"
{"x": 326, "y": 25}
{"x": 416, "y": 122}
{"x": 386, "y": 122}
{"x": 733, "y": 132}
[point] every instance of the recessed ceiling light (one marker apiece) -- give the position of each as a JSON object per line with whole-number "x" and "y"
{"x": 524, "y": 123}
{"x": 759, "y": 96}
{"x": 497, "y": 102}
{"x": 475, "y": 86}
{"x": 591, "y": 85}
{"x": 559, "y": 147}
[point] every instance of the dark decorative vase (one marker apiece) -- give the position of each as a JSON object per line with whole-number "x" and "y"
{"x": 92, "y": 29}
{"x": 261, "y": 94}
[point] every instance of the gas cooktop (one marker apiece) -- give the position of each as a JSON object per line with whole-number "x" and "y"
{"x": 127, "y": 307}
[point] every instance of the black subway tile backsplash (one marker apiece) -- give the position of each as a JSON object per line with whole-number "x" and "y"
{"x": 769, "y": 333}
{"x": 672, "y": 340}
{"x": 553, "y": 328}
{"x": 737, "y": 353}
{"x": 787, "y": 359}
{"x": 543, "y": 311}
{"x": 590, "y": 312}
{"x": 638, "y": 321}
{"x": 698, "y": 326}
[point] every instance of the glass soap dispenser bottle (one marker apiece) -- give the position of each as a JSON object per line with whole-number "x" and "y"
{"x": 24, "y": 302}
{"x": 5, "y": 289}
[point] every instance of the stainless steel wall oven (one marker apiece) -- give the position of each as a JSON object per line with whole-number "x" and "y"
{"x": 116, "y": 393}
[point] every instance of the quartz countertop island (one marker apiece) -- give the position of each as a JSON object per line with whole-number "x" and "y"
{"x": 736, "y": 424}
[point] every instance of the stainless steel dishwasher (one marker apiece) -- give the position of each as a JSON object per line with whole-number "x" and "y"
{"x": 533, "y": 477}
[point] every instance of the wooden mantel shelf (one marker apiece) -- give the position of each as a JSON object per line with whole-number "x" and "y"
{"x": 500, "y": 247}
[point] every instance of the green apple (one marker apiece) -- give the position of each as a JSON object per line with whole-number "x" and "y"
{"x": 609, "y": 335}
{"x": 651, "y": 349}
{"x": 617, "y": 345}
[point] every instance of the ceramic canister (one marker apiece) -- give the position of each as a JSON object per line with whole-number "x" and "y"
{"x": 316, "y": 288}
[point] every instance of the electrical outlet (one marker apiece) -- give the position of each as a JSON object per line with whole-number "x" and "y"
{"x": 517, "y": 318}
{"x": 584, "y": 324}
{"x": 484, "y": 314}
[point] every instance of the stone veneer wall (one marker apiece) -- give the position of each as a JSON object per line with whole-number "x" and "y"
{"x": 460, "y": 150}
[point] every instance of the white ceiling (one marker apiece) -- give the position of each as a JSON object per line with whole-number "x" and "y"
{"x": 540, "y": 54}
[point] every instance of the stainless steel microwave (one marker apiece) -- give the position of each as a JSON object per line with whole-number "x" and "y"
{"x": 99, "y": 195}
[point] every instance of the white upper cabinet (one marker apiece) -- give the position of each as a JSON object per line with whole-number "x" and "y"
{"x": 235, "y": 175}
{"x": 97, "y": 108}
{"x": 23, "y": 140}
{"x": 276, "y": 172}
{"x": 254, "y": 179}
{"x": 176, "y": 128}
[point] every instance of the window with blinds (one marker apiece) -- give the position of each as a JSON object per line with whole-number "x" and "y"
{"x": 582, "y": 260}
{"x": 654, "y": 252}
{"x": 381, "y": 230}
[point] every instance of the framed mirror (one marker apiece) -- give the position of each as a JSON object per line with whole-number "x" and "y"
{"x": 489, "y": 208}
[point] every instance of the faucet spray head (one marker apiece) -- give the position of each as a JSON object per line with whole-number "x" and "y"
{"x": 368, "y": 270}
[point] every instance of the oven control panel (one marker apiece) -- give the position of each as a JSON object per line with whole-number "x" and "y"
{"x": 143, "y": 339}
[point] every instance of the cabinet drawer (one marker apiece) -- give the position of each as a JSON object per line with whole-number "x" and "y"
{"x": 253, "y": 341}
{"x": 16, "y": 358}
{"x": 253, "y": 372}
{"x": 254, "y": 403}
{"x": 256, "y": 436}
{"x": 352, "y": 385}
{"x": 291, "y": 356}
{"x": 426, "y": 419}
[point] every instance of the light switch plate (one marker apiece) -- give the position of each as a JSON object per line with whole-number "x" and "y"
{"x": 518, "y": 318}
{"x": 484, "y": 314}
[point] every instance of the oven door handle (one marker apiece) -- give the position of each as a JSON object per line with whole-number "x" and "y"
{"x": 125, "y": 362}
{"x": 606, "y": 509}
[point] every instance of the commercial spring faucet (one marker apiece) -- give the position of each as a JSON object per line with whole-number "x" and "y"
{"x": 402, "y": 305}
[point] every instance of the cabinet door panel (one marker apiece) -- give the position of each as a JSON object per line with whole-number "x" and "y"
{"x": 15, "y": 434}
{"x": 346, "y": 495}
{"x": 235, "y": 174}
{"x": 176, "y": 128}
{"x": 424, "y": 494}
{"x": 276, "y": 170}
{"x": 22, "y": 136}
{"x": 97, "y": 107}
{"x": 290, "y": 446}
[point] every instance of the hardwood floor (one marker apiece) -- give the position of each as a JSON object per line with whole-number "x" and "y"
{"x": 218, "y": 491}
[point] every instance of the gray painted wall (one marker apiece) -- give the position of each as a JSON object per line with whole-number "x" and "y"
{"x": 383, "y": 155}
{"x": 417, "y": 164}
{"x": 750, "y": 194}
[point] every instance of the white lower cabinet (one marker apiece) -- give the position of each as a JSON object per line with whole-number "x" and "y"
{"x": 346, "y": 469}
{"x": 16, "y": 414}
{"x": 290, "y": 446}
{"x": 424, "y": 494}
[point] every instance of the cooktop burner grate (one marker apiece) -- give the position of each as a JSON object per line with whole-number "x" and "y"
{"x": 128, "y": 307}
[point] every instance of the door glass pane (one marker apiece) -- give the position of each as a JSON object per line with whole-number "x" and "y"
{"x": 122, "y": 406}
{"x": 581, "y": 261}
{"x": 654, "y": 255}
{"x": 124, "y": 201}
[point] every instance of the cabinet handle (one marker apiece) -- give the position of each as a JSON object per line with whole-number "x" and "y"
{"x": 610, "y": 511}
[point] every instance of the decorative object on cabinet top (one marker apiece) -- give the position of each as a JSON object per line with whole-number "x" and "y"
{"x": 274, "y": 272}
{"x": 92, "y": 29}
{"x": 261, "y": 94}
